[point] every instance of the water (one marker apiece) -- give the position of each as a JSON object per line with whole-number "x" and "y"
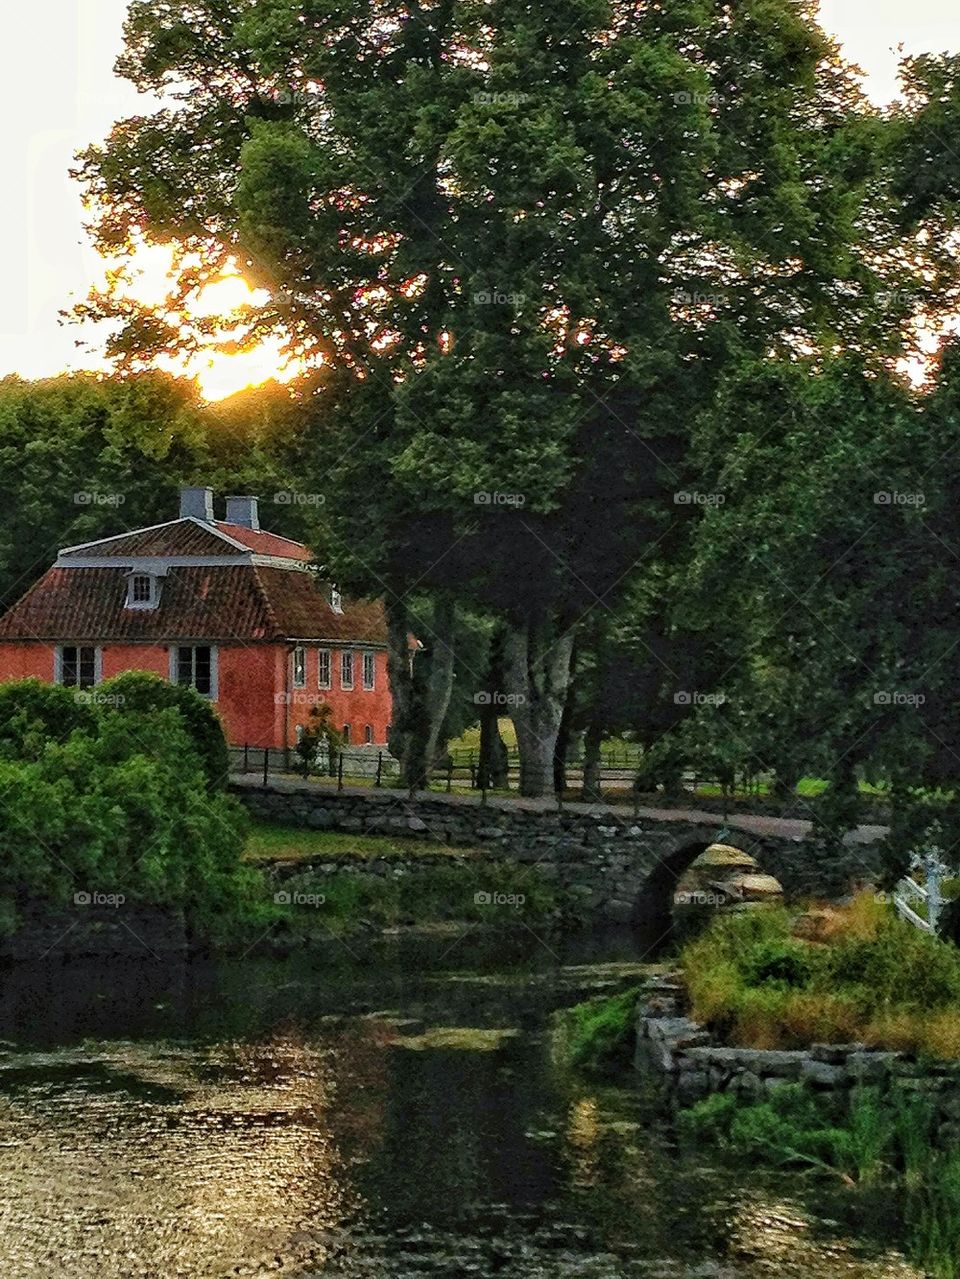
{"x": 305, "y": 1116}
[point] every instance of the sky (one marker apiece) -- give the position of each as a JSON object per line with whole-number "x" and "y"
{"x": 49, "y": 114}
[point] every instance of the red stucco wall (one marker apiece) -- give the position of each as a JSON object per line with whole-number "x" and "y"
{"x": 256, "y": 699}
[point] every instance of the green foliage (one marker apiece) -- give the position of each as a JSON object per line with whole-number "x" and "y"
{"x": 33, "y": 713}
{"x": 600, "y": 1034}
{"x": 495, "y": 894}
{"x": 877, "y": 979}
{"x": 879, "y": 1138}
{"x": 139, "y": 691}
{"x": 121, "y": 806}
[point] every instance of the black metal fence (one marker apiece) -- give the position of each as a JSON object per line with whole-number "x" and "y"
{"x": 461, "y": 770}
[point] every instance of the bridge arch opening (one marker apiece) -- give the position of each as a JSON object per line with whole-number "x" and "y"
{"x": 653, "y": 917}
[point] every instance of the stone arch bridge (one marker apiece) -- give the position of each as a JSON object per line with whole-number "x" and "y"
{"x": 619, "y": 864}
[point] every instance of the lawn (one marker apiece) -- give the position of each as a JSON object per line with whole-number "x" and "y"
{"x": 269, "y": 841}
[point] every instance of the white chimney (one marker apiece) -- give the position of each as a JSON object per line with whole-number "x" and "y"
{"x": 244, "y": 511}
{"x": 197, "y": 502}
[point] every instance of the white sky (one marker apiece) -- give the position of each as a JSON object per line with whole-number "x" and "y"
{"x": 58, "y": 92}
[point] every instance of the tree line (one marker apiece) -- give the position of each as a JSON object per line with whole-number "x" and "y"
{"x": 606, "y": 307}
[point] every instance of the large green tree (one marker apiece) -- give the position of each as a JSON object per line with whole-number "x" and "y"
{"x": 525, "y": 240}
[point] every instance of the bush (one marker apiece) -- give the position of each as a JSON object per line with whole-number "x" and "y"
{"x": 139, "y": 691}
{"x": 33, "y": 713}
{"x": 125, "y": 810}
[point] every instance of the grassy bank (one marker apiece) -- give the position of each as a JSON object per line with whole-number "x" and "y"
{"x": 876, "y": 1141}
{"x": 273, "y": 842}
{"x": 501, "y": 895}
{"x": 869, "y": 978}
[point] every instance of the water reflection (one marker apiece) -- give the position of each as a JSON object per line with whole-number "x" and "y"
{"x": 228, "y": 1119}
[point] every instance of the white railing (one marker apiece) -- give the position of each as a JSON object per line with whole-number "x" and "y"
{"x": 929, "y": 894}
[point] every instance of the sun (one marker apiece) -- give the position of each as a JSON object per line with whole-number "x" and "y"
{"x": 146, "y": 276}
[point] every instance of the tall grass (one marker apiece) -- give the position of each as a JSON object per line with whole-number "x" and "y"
{"x": 875, "y": 979}
{"x": 881, "y": 1139}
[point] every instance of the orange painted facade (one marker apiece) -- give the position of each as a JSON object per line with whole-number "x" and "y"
{"x": 256, "y": 697}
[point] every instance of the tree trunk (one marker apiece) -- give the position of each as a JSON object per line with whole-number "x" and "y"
{"x": 421, "y": 686}
{"x": 493, "y": 772}
{"x": 592, "y": 739}
{"x": 538, "y": 655}
{"x": 562, "y": 748}
{"x": 440, "y": 679}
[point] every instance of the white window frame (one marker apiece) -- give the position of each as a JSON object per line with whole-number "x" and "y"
{"x": 368, "y": 735}
{"x": 346, "y": 734}
{"x": 214, "y": 693}
{"x": 336, "y": 599}
{"x": 372, "y": 659}
{"x": 324, "y": 655}
{"x": 97, "y": 665}
{"x": 346, "y": 656}
{"x": 298, "y": 658}
{"x": 153, "y": 598}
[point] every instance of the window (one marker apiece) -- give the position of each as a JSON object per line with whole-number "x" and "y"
{"x": 346, "y": 734}
{"x": 336, "y": 600}
{"x": 142, "y": 591}
{"x": 369, "y": 670}
{"x": 78, "y": 666}
{"x": 346, "y": 670}
{"x": 195, "y": 666}
{"x": 368, "y": 735}
{"x": 324, "y": 677}
{"x": 299, "y": 668}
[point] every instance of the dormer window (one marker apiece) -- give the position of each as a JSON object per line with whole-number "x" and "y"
{"x": 336, "y": 600}
{"x": 143, "y": 590}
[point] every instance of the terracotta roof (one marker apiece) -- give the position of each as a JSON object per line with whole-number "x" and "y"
{"x": 299, "y": 603}
{"x": 263, "y": 543}
{"x": 243, "y": 603}
{"x": 182, "y": 537}
{"x": 188, "y": 537}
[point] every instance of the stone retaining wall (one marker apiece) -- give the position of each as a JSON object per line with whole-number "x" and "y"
{"x": 693, "y": 1065}
{"x": 605, "y": 857}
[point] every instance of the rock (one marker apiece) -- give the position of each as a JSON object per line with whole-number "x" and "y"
{"x": 836, "y": 1054}
{"x": 871, "y": 1067}
{"x": 823, "y": 1074}
{"x": 752, "y": 888}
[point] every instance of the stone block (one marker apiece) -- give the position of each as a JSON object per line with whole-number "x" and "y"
{"x": 823, "y": 1074}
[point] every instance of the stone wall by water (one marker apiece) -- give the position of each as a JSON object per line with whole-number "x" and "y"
{"x": 692, "y": 1065}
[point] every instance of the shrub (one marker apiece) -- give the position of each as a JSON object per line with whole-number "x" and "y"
{"x": 127, "y": 811}
{"x": 33, "y": 713}
{"x": 778, "y": 962}
{"x": 139, "y": 691}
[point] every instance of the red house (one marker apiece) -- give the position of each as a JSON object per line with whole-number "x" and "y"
{"x": 240, "y": 614}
